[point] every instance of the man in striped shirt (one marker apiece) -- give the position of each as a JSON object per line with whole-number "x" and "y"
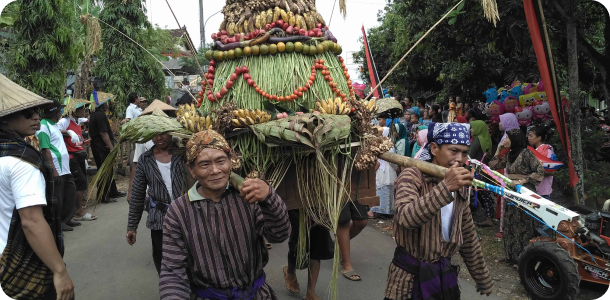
{"x": 432, "y": 222}
{"x": 213, "y": 246}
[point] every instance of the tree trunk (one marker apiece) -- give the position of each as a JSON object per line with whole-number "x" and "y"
{"x": 575, "y": 116}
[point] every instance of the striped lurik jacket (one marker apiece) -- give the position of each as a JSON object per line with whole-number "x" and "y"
{"x": 418, "y": 199}
{"x": 148, "y": 175}
{"x": 219, "y": 244}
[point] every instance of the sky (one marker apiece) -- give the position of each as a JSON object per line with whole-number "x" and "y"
{"x": 347, "y": 31}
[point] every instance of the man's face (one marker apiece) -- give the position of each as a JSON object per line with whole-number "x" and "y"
{"x": 381, "y": 121}
{"x": 143, "y": 105}
{"x": 212, "y": 169}
{"x": 458, "y": 99}
{"x": 137, "y": 102}
{"x": 450, "y": 99}
{"x": 407, "y": 101}
{"x": 447, "y": 155}
{"x": 24, "y": 126}
{"x": 80, "y": 112}
{"x": 162, "y": 141}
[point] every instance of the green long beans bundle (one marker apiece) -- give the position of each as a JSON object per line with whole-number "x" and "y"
{"x": 280, "y": 75}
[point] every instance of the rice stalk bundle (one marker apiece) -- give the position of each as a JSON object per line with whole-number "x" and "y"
{"x": 324, "y": 195}
{"x": 139, "y": 130}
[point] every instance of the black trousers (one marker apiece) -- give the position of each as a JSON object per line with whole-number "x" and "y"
{"x": 157, "y": 244}
{"x": 65, "y": 192}
{"x": 99, "y": 154}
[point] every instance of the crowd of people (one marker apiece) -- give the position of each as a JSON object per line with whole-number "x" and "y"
{"x": 503, "y": 146}
{"x": 211, "y": 240}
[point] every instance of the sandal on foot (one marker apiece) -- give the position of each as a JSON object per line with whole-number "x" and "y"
{"x": 65, "y": 227}
{"x": 499, "y": 235}
{"x": 350, "y": 274}
{"x": 290, "y": 284}
{"x": 86, "y": 217}
{"x": 73, "y": 223}
{"x": 268, "y": 245}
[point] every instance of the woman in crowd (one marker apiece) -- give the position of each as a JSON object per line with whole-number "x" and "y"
{"x": 385, "y": 176}
{"x": 420, "y": 140}
{"x": 535, "y": 138}
{"x": 520, "y": 164}
{"x": 460, "y": 119}
{"x": 435, "y": 112}
{"x": 480, "y": 149}
{"x": 401, "y": 137}
{"x": 508, "y": 121}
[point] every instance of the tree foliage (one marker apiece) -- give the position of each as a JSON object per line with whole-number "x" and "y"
{"x": 43, "y": 49}
{"x": 123, "y": 67}
{"x": 466, "y": 54}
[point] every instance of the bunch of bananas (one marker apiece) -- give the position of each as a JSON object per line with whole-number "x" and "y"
{"x": 333, "y": 107}
{"x": 190, "y": 118}
{"x": 244, "y": 117}
{"x": 370, "y": 105}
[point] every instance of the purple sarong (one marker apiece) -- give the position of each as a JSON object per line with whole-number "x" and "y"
{"x": 231, "y": 294}
{"x": 432, "y": 281}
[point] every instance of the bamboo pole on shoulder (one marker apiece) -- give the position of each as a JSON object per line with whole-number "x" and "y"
{"x": 425, "y": 167}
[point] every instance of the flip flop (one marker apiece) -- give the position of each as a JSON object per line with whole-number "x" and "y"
{"x": 297, "y": 290}
{"x": 268, "y": 245}
{"x": 351, "y": 273}
{"x": 86, "y": 217}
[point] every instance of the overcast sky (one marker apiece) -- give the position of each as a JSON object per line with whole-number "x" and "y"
{"x": 347, "y": 31}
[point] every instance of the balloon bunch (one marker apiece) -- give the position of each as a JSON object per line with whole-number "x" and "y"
{"x": 526, "y": 100}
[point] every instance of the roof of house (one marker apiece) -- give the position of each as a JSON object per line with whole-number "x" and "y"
{"x": 177, "y": 33}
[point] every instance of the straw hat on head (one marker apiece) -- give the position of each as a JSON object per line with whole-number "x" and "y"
{"x": 99, "y": 98}
{"x": 73, "y": 104}
{"x": 157, "y": 104}
{"x": 14, "y": 98}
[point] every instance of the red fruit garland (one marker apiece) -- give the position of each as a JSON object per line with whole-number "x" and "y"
{"x": 319, "y": 65}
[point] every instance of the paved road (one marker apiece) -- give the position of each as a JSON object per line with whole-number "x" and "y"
{"x": 103, "y": 266}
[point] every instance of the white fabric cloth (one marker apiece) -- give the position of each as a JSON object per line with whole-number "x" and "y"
{"x": 82, "y": 120}
{"x": 447, "y": 219}
{"x": 21, "y": 185}
{"x": 59, "y": 152}
{"x": 140, "y": 149}
{"x": 166, "y": 173}
{"x": 133, "y": 111}
{"x": 386, "y": 174}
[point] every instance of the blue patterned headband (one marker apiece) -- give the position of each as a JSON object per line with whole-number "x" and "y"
{"x": 446, "y": 133}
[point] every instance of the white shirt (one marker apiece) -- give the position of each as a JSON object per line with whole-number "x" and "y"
{"x": 59, "y": 152}
{"x": 140, "y": 149}
{"x": 133, "y": 111}
{"x": 446, "y": 219}
{"x": 166, "y": 173}
{"x": 21, "y": 185}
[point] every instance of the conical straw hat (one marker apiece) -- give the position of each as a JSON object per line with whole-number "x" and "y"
{"x": 157, "y": 104}
{"x": 73, "y": 104}
{"x": 14, "y": 98}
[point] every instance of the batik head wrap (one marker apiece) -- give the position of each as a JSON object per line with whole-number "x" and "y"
{"x": 205, "y": 139}
{"x": 446, "y": 133}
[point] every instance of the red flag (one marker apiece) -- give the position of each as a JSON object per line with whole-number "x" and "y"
{"x": 370, "y": 64}
{"x": 545, "y": 65}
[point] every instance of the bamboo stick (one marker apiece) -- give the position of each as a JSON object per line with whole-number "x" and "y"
{"x": 426, "y": 167}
